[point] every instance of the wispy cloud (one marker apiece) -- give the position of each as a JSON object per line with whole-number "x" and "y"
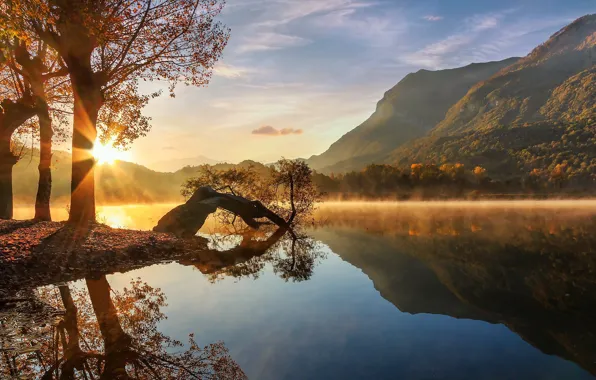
{"x": 479, "y": 23}
{"x": 432, "y": 18}
{"x": 457, "y": 49}
{"x": 285, "y": 12}
{"x": 268, "y": 130}
{"x": 432, "y": 56}
{"x": 263, "y": 41}
{"x": 230, "y": 71}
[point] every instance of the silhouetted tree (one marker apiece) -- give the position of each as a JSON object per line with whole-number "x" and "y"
{"x": 16, "y": 107}
{"x": 108, "y": 47}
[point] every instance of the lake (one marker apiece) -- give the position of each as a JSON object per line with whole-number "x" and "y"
{"x": 460, "y": 290}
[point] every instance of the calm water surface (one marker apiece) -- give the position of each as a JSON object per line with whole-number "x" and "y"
{"x": 379, "y": 291}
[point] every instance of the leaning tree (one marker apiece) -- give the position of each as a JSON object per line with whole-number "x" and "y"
{"x": 109, "y": 47}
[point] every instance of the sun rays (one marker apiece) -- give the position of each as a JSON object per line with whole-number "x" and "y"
{"x": 108, "y": 154}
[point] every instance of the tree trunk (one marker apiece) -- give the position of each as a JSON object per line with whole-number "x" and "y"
{"x": 12, "y": 116}
{"x": 7, "y": 161}
{"x": 107, "y": 315}
{"x": 44, "y": 188}
{"x": 87, "y": 102}
{"x": 116, "y": 341}
{"x": 186, "y": 220}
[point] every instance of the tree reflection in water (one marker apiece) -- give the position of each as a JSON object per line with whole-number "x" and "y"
{"x": 292, "y": 254}
{"x": 107, "y": 334}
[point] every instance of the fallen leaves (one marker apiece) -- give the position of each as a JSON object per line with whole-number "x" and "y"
{"x": 34, "y": 254}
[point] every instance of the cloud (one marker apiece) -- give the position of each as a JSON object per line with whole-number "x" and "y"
{"x": 290, "y": 131}
{"x": 290, "y": 11}
{"x": 480, "y": 23}
{"x": 169, "y": 148}
{"x": 376, "y": 30}
{"x": 433, "y": 18}
{"x": 433, "y": 55}
{"x": 264, "y": 41}
{"x": 268, "y": 130}
{"x": 462, "y": 47}
{"x": 230, "y": 71}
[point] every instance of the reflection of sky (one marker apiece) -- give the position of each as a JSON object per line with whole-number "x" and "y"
{"x": 337, "y": 326}
{"x": 321, "y": 66}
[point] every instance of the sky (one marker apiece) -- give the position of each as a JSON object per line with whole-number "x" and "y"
{"x": 298, "y": 74}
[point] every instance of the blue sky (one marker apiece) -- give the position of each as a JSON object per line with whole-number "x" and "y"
{"x": 316, "y": 68}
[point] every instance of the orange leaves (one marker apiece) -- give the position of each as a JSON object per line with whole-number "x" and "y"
{"x": 20, "y": 243}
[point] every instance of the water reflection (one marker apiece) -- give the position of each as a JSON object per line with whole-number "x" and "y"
{"x": 303, "y": 313}
{"x": 534, "y": 272}
{"x": 104, "y": 334}
{"x": 293, "y": 255}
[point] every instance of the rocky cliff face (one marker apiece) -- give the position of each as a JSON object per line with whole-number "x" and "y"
{"x": 476, "y": 114}
{"x": 555, "y": 80}
{"x": 407, "y": 111}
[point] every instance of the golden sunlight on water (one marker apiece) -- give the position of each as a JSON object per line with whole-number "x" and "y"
{"x": 145, "y": 217}
{"x": 135, "y": 217}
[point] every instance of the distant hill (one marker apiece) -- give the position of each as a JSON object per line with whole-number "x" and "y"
{"x": 121, "y": 182}
{"x": 535, "y": 114}
{"x": 177, "y": 164}
{"x": 407, "y": 111}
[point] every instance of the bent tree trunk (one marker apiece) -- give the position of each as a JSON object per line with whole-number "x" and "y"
{"x": 44, "y": 188}
{"x": 186, "y": 220}
{"x": 87, "y": 102}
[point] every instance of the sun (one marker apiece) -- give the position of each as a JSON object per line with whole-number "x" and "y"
{"x": 108, "y": 154}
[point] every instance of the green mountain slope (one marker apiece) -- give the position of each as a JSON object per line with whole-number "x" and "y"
{"x": 407, "y": 111}
{"x": 537, "y": 87}
{"x": 536, "y": 114}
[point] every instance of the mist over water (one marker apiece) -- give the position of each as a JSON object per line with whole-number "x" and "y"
{"x": 145, "y": 217}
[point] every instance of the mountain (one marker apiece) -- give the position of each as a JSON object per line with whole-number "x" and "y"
{"x": 117, "y": 183}
{"x": 555, "y": 81}
{"x": 407, "y": 111}
{"x": 535, "y": 114}
{"x": 179, "y": 163}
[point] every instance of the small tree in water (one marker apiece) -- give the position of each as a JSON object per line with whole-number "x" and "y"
{"x": 291, "y": 182}
{"x": 287, "y": 188}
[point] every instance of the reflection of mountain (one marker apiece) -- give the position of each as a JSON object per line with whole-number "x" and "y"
{"x": 401, "y": 279}
{"x": 541, "y": 286}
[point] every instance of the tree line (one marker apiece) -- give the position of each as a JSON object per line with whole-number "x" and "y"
{"x": 444, "y": 181}
{"x": 74, "y": 68}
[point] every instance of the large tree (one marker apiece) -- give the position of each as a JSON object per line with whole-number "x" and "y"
{"x": 111, "y": 45}
{"x": 44, "y": 74}
{"x": 16, "y": 107}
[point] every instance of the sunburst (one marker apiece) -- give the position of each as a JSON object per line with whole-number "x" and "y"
{"x": 108, "y": 154}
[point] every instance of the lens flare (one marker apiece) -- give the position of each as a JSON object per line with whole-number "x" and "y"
{"x": 108, "y": 154}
